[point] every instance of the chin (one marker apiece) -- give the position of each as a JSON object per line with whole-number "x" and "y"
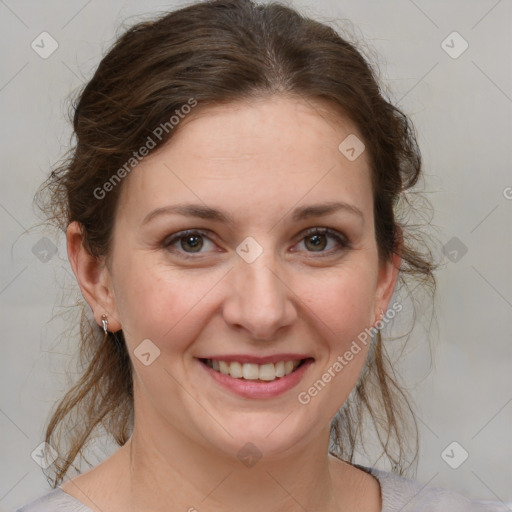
{"x": 256, "y": 435}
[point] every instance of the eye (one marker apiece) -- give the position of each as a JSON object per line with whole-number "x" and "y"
{"x": 317, "y": 240}
{"x": 187, "y": 242}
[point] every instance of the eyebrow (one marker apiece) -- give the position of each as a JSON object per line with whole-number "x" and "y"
{"x": 205, "y": 212}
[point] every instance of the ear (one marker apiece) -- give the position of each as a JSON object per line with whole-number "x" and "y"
{"x": 388, "y": 275}
{"x": 93, "y": 277}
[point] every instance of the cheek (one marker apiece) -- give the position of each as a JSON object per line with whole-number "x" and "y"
{"x": 342, "y": 303}
{"x": 342, "y": 299}
{"x": 341, "y": 308}
{"x": 163, "y": 304}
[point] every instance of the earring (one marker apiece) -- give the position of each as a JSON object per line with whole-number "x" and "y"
{"x": 104, "y": 321}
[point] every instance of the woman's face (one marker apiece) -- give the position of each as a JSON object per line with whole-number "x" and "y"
{"x": 257, "y": 280}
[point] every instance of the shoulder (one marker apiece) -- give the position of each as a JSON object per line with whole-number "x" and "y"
{"x": 406, "y": 495}
{"x": 54, "y": 501}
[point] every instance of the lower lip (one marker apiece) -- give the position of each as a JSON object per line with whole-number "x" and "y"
{"x": 259, "y": 388}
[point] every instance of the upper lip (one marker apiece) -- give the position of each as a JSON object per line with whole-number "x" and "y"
{"x": 247, "y": 358}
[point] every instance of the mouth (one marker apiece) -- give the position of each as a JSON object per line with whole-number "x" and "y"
{"x": 267, "y": 372}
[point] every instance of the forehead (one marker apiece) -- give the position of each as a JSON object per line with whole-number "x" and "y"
{"x": 252, "y": 153}
{"x": 268, "y": 125}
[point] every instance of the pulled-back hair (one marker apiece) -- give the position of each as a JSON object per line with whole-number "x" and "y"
{"x": 218, "y": 52}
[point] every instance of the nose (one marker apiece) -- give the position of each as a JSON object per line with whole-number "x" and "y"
{"x": 259, "y": 298}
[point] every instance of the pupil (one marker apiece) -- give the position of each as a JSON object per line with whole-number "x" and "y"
{"x": 193, "y": 241}
{"x": 317, "y": 241}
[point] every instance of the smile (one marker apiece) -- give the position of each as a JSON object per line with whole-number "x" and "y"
{"x": 252, "y": 371}
{"x": 256, "y": 381}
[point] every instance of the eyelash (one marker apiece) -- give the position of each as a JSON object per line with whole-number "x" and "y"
{"x": 338, "y": 237}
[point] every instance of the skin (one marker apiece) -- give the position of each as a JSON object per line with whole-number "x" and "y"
{"x": 256, "y": 161}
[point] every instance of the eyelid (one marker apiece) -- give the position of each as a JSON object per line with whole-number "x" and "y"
{"x": 175, "y": 237}
{"x": 324, "y": 231}
{"x": 338, "y": 236}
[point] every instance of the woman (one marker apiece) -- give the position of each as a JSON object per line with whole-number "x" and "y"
{"x": 230, "y": 217}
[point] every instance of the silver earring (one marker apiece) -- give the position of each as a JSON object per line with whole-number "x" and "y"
{"x": 104, "y": 321}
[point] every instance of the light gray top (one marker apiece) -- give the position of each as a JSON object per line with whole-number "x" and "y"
{"x": 399, "y": 494}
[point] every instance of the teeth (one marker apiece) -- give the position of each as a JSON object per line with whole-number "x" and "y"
{"x": 267, "y": 371}
{"x": 223, "y": 367}
{"x": 251, "y": 371}
{"x": 236, "y": 370}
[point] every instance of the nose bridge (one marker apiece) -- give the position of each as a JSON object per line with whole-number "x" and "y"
{"x": 259, "y": 301}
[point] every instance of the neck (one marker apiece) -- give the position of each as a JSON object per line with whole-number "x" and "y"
{"x": 173, "y": 470}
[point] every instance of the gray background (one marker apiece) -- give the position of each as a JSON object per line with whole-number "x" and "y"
{"x": 462, "y": 110}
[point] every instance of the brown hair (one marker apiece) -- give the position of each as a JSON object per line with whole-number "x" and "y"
{"x": 218, "y": 52}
